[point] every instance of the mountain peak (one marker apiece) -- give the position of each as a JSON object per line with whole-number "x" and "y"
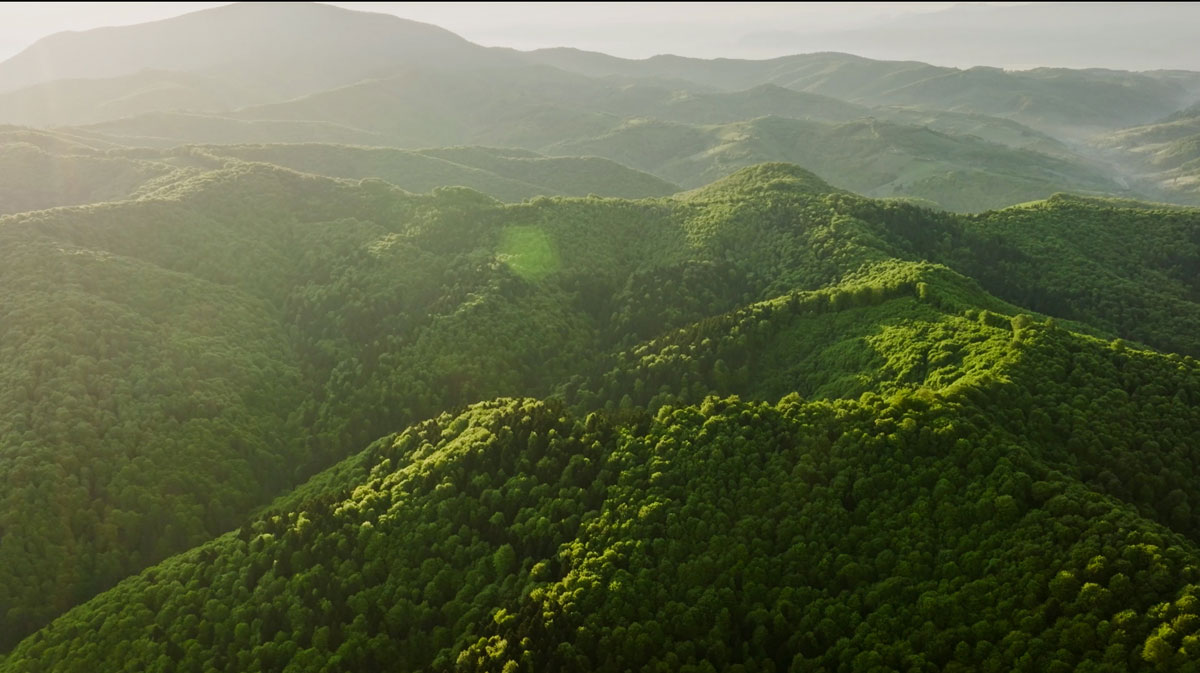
{"x": 763, "y": 178}
{"x": 252, "y": 40}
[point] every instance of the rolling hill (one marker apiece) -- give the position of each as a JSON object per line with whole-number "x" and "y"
{"x": 332, "y": 341}
{"x": 414, "y": 86}
{"x": 325, "y": 290}
{"x": 41, "y": 169}
{"x": 1071, "y": 103}
{"x": 907, "y": 446}
{"x": 874, "y": 157}
{"x": 508, "y": 175}
{"x": 76, "y": 102}
{"x": 957, "y": 160}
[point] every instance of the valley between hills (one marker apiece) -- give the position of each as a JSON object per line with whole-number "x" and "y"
{"x": 372, "y": 348}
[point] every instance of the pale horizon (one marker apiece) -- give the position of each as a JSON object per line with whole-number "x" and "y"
{"x": 706, "y": 30}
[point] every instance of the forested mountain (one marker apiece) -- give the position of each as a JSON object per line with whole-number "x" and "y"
{"x": 331, "y": 341}
{"x": 32, "y": 178}
{"x": 306, "y": 317}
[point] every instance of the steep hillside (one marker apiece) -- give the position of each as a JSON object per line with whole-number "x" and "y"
{"x": 177, "y": 361}
{"x": 120, "y": 390}
{"x": 331, "y": 341}
{"x": 921, "y": 529}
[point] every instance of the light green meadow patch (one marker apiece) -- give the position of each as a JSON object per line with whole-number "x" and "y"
{"x": 528, "y": 252}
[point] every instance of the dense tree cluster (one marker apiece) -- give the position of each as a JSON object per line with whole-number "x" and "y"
{"x": 1117, "y": 267}
{"x": 918, "y": 532}
{"x": 922, "y": 476}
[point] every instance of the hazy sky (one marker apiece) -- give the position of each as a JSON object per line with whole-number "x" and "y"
{"x": 1126, "y": 35}
{"x": 623, "y": 29}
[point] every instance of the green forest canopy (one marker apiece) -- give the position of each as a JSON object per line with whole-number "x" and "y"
{"x": 765, "y": 424}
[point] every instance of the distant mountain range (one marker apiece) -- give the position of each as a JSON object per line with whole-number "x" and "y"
{"x": 1133, "y": 36}
{"x": 303, "y": 73}
{"x": 46, "y": 169}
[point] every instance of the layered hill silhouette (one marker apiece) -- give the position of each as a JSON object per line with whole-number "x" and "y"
{"x": 1049, "y": 99}
{"x": 48, "y": 169}
{"x": 879, "y": 158}
{"x": 332, "y": 341}
{"x": 32, "y": 178}
{"x": 1137, "y": 37}
{"x": 342, "y": 77}
{"x": 76, "y": 101}
{"x": 684, "y": 138}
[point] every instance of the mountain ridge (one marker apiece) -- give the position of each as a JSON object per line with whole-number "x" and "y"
{"x": 227, "y": 39}
{"x": 358, "y": 280}
{"x": 340, "y": 343}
